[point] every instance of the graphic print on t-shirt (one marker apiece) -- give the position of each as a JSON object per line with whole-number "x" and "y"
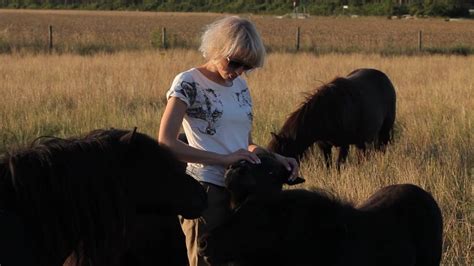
{"x": 188, "y": 89}
{"x": 203, "y": 104}
{"x": 243, "y": 98}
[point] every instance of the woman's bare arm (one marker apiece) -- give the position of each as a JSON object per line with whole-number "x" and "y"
{"x": 167, "y": 136}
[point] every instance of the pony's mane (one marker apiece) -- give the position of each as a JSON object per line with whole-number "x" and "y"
{"x": 321, "y": 103}
{"x": 50, "y": 179}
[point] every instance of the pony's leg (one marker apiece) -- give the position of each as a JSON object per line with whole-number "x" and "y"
{"x": 384, "y": 135}
{"x": 343, "y": 151}
{"x": 361, "y": 152}
{"x": 326, "y": 148}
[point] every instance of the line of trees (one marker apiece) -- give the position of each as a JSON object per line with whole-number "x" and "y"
{"x": 452, "y": 8}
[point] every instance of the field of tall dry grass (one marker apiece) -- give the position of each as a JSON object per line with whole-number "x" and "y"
{"x": 66, "y": 95}
{"x": 86, "y": 32}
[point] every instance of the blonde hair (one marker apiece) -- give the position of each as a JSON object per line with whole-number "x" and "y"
{"x": 233, "y": 37}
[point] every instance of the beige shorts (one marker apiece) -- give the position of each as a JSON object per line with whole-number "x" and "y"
{"x": 218, "y": 209}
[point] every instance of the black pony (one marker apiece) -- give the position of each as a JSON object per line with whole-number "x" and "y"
{"x": 244, "y": 179}
{"x": 79, "y": 196}
{"x": 399, "y": 225}
{"x": 358, "y": 109}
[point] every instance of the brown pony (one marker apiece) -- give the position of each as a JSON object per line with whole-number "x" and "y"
{"x": 357, "y": 109}
{"x": 80, "y": 196}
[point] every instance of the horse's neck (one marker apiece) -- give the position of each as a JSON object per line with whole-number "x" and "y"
{"x": 310, "y": 118}
{"x": 302, "y": 138}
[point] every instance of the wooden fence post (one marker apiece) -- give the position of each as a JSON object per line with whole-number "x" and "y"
{"x": 50, "y": 38}
{"x": 298, "y": 39}
{"x": 164, "y": 44}
{"x": 420, "y": 41}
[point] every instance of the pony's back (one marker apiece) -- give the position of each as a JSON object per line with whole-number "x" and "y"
{"x": 416, "y": 212}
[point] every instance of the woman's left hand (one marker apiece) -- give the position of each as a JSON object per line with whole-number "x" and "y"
{"x": 291, "y": 164}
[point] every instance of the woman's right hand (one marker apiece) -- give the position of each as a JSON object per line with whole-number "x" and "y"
{"x": 238, "y": 155}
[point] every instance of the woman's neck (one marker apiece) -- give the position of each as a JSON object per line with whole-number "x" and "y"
{"x": 210, "y": 71}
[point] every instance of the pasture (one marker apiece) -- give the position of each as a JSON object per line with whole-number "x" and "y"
{"x": 86, "y": 32}
{"x": 69, "y": 94}
{"x": 66, "y": 94}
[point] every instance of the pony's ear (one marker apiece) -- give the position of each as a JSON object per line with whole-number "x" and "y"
{"x": 297, "y": 181}
{"x": 130, "y": 137}
{"x": 12, "y": 169}
{"x": 275, "y": 136}
{"x": 134, "y": 134}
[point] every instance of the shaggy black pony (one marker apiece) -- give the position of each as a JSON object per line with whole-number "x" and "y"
{"x": 244, "y": 179}
{"x": 80, "y": 196}
{"x": 399, "y": 225}
{"x": 357, "y": 109}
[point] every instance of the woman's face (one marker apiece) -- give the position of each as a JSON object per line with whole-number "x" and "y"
{"x": 230, "y": 68}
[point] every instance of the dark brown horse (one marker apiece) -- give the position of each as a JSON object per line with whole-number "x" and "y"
{"x": 399, "y": 225}
{"x": 357, "y": 109}
{"x": 80, "y": 196}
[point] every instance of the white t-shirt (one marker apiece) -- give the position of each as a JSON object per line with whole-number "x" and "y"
{"x": 218, "y": 118}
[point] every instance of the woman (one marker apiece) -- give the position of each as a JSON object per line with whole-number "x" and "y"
{"x": 213, "y": 103}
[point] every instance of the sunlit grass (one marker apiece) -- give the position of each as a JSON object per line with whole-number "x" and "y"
{"x": 66, "y": 95}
